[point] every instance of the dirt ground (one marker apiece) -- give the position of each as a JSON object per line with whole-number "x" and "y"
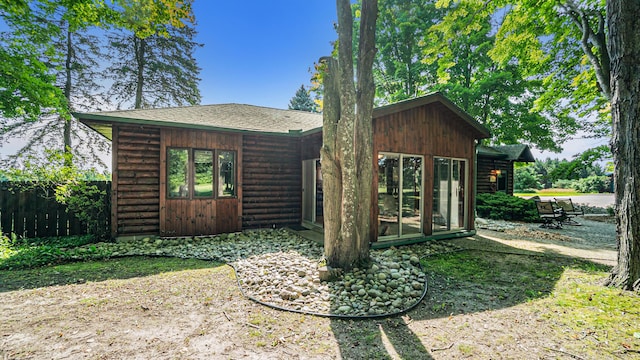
{"x": 201, "y": 314}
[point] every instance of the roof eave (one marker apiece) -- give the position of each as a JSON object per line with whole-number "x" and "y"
{"x": 84, "y": 118}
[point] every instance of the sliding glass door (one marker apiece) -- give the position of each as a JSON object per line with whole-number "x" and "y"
{"x": 312, "y": 206}
{"x": 449, "y": 194}
{"x": 400, "y": 184}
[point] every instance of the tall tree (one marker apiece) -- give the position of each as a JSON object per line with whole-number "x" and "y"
{"x": 49, "y": 63}
{"x": 347, "y": 149}
{"x": 302, "y": 101}
{"x": 398, "y": 69}
{"x": 563, "y": 44}
{"x": 501, "y": 96}
{"x": 587, "y": 58}
{"x": 624, "y": 48}
{"x": 27, "y": 84}
{"x": 75, "y": 69}
{"x": 159, "y": 70}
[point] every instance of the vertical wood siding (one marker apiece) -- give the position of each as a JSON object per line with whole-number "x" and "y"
{"x": 432, "y": 131}
{"x": 182, "y": 217}
{"x": 135, "y": 189}
{"x": 272, "y": 181}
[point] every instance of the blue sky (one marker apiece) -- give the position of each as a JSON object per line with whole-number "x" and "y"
{"x": 260, "y": 52}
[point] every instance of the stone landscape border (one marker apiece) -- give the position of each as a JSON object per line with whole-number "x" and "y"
{"x": 278, "y": 268}
{"x": 331, "y": 315}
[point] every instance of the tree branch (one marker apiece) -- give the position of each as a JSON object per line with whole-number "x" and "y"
{"x": 590, "y": 39}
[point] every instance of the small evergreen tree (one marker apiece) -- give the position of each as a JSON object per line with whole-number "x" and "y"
{"x": 302, "y": 101}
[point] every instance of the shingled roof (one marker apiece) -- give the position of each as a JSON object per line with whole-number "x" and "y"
{"x": 250, "y": 118}
{"x": 226, "y": 117}
{"x": 516, "y": 152}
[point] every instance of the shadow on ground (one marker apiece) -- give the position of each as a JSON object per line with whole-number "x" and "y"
{"x": 93, "y": 271}
{"x": 491, "y": 277}
{"x": 465, "y": 282}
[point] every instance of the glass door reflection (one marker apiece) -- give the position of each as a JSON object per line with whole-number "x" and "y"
{"x": 388, "y": 194}
{"x": 400, "y": 183}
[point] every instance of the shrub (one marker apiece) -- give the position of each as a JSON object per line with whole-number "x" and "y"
{"x": 565, "y": 184}
{"x": 87, "y": 203}
{"x": 611, "y": 211}
{"x": 526, "y": 178}
{"x": 500, "y": 206}
{"x": 30, "y": 253}
{"x": 593, "y": 184}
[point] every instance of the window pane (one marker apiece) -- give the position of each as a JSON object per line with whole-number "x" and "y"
{"x": 388, "y": 197}
{"x": 411, "y": 194}
{"x": 502, "y": 181}
{"x": 177, "y": 173}
{"x": 226, "y": 173}
{"x": 441, "y": 179}
{"x": 203, "y": 182}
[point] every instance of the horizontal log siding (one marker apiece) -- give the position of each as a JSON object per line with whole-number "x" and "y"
{"x": 311, "y": 145}
{"x": 272, "y": 181}
{"x": 432, "y": 131}
{"x": 136, "y": 192}
{"x": 182, "y": 217}
{"x": 485, "y": 165}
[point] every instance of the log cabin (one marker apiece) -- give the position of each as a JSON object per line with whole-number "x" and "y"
{"x": 496, "y": 164}
{"x": 210, "y": 169}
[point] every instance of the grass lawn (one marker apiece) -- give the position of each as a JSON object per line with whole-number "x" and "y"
{"x": 479, "y": 304}
{"x": 551, "y": 192}
{"x": 94, "y": 271}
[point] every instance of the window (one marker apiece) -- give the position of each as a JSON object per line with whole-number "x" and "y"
{"x": 226, "y": 173}
{"x": 203, "y": 177}
{"x": 502, "y": 180}
{"x": 178, "y": 173}
{"x": 194, "y": 173}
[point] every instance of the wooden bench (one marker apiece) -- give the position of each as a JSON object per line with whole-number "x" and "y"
{"x": 551, "y": 216}
{"x": 569, "y": 210}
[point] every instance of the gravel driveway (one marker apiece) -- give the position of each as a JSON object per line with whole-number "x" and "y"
{"x": 598, "y": 200}
{"x": 592, "y": 240}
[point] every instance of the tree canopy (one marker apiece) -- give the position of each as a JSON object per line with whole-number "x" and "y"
{"x": 27, "y": 84}
{"x": 52, "y": 65}
{"x": 158, "y": 70}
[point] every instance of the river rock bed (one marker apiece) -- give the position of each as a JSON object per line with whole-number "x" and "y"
{"x": 280, "y": 268}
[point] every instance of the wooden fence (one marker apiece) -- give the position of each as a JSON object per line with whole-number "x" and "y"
{"x": 32, "y": 213}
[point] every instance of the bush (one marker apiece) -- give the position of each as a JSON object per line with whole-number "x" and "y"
{"x": 565, "y": 184}
{"x": 87, "y": 203}
{"x": 500, "y": 206}
{"x": 526, "y": 178}
{"x": 593, "y": 184}
{"x": 30, "y": 253}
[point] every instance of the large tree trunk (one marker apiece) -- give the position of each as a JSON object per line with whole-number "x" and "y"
{"x": 67, "y": 94}
{"x": 624, "y": 49}
{"x": 140, "y": 46}
{"x": 347, "y": 150}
